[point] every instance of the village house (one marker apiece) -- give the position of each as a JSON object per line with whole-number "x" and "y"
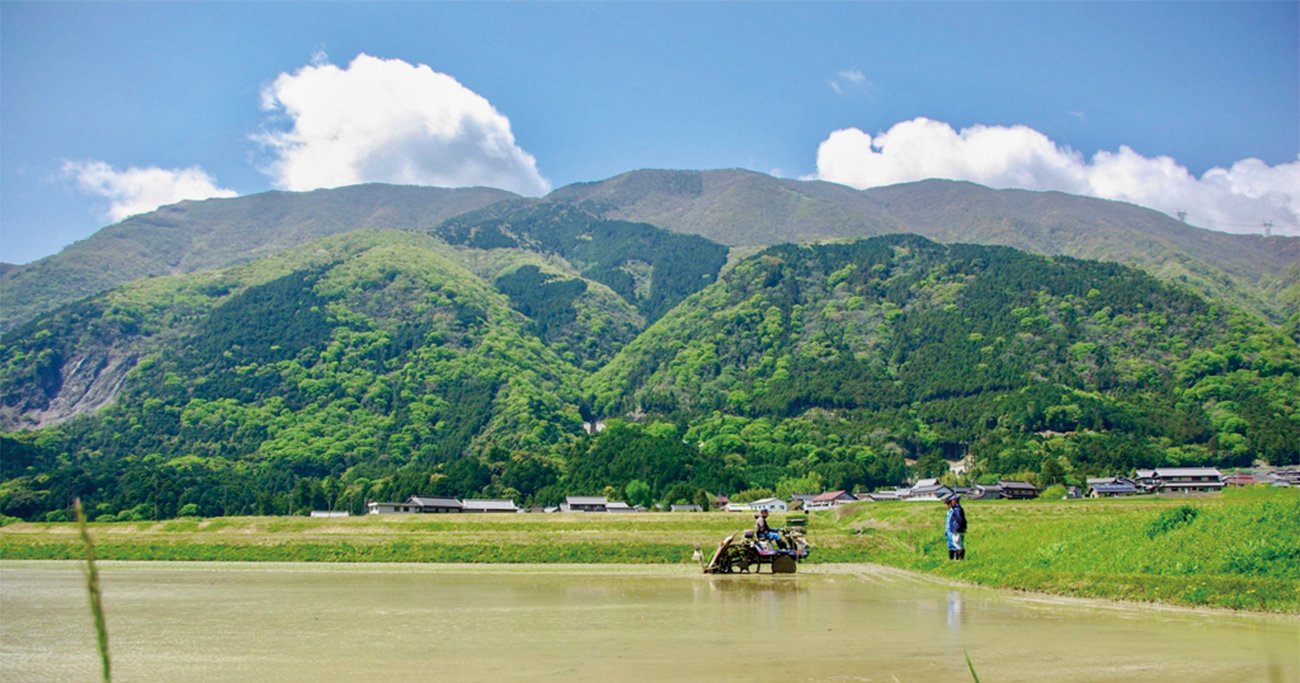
{"x": 1181, "y": 480}
{"x": 986, "y": 492}
{"x": 1017, "y": 490}
{"x": 377, "y": 508}
{"x": 434, "y": 504}
{"x": 1282, "y": 477}
{"x": 929, "y": 490}
{"x": 507, "y": 506}
{"x": 684, "y": 508}
{"x": 619, "y": 506}
{"x": 1242, "y": 479}
{"x": 830, "y": 499}
{"x": 584, "y": 504}
{"x": 769, "y": 504}
{"x": 1111, "y": 487}
{"x": 329, "y": 513}
{"x": 799, "y": 501}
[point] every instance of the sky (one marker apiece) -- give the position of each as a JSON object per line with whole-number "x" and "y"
{"x": 110, "y": 109}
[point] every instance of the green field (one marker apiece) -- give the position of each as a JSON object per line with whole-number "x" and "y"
{"x": 1240, "y": 550}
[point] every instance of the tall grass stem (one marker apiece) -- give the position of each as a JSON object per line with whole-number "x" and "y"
{"x": 92, "y": 587}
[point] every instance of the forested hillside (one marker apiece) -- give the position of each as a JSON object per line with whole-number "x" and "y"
{"x": 199, "y": 235}
{"x": 379, "y": 364}
{"x": 649, "y": 267}
{"x": 901, "y": 345}
{"x": 370, "y": 356}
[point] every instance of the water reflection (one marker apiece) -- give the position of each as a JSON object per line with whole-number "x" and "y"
{"x": 746, "y": 584}
{"x": 954, "y": 610}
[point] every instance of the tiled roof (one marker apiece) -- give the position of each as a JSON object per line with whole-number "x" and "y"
{"x": 586, "y": 500}
{"x": 489, "y": 505}
{"x": 433, "y": 502}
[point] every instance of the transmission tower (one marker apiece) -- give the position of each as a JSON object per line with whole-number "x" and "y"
{"x": 1182, "y": 216}
{"x": 1268, "y": 228}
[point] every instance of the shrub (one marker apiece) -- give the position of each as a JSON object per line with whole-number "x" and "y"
{"x": 1171, "y": 519}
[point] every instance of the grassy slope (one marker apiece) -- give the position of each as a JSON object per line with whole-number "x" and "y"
{"x": 1241, "y": 550}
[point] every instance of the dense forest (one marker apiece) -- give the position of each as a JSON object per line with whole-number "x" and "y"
{"x": 376, "y": 365}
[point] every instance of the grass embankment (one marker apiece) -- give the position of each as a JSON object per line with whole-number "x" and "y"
{"x": 1239, "y": 550}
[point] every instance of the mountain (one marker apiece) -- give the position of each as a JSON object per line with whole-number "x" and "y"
{"x": 939, "y": 349}
{"x": 585, "y": 287}
{"x": 745, "y": 208}
{"x": 198, "y": 235}
{"x": 646, "y": 265}
{"x": 378, "y": 364}
{"x": 371, "y": 352}
{"x": 731, "y": 207}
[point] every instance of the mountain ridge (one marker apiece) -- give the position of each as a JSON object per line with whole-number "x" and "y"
{"x": 733, "y": 207}
{"x": 213, "y": 233}
{"x": 1251, "y": 270}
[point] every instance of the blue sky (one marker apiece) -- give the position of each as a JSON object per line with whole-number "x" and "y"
{"x": 1128, "y": 101}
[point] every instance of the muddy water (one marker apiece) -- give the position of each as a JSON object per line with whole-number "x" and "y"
{"x": 291, "y": 622}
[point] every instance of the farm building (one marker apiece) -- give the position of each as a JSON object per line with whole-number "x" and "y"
{"x": 769, "y": 504}
{"x": 377, "y": 508}
{"x": 489, "y": 506}
{"x": 584, "y": 504}
{"x": 1187, "y": 479}
{"x": 1018, "y": 490}
{"x": 1111, "y": 487}
{"x": 434, "y": 504}
{"x": 929, "y": 489}
{"x": 830, "y": 499}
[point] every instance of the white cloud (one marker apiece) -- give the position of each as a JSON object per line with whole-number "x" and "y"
{"x": 140, "y": 190}
{"x": 853, "y": 76}
{"x": 1236, "y": 199}
{"x": 384, "y": 120}
{"x": 846, "y": 79}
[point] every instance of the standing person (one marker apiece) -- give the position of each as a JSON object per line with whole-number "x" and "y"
{"x": 955, "y": 527}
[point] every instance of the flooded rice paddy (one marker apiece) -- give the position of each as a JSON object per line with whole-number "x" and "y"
{"x": 312, "y": 622}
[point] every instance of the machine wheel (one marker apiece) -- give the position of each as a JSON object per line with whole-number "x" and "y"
{"x": 784, "y": 564}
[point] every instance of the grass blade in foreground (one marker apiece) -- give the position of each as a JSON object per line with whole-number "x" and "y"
{"x": 92, "y": 586}
{"x": 971, "y": 667}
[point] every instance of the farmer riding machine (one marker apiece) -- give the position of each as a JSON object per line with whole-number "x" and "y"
{"x": 743, "y": 553}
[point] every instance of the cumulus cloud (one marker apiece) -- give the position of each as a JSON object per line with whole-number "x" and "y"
{"x": 385, "y": 120}
{"x": 139, "y": 190}
{"x": 1235, "y": 199}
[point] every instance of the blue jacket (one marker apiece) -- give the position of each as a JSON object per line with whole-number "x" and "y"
{"x": 956, "y": 521}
